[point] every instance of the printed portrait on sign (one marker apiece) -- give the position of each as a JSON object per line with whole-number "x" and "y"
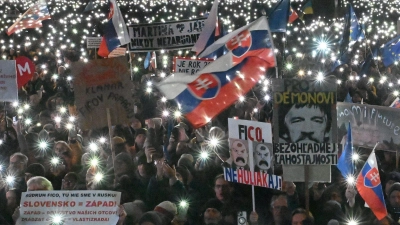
{"x": 263, "y": 157}
{"x": 305, "y": 123}
{"x": 239, "y": 154}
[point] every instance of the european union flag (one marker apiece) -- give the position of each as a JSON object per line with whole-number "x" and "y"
{"x": 391, "y": 51}
{"x": 345, "y": 163}
{"x": 278, "y": 18}
{"x": 352, "y": 33}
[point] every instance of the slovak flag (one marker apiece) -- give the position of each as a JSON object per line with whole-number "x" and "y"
{"x": 293, "y": 16}
{"x": 210, "y": 30}
{"x": 32, "y": 18}
{"x": 370, "y": 188}
{"x": 204, "y": 95}
{"x": 116, "y": 33}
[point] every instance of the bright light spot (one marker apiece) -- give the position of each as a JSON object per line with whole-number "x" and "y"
{"x": 98, "y": 177}
{"x": 57, "y": 219}
{"x": 93, "y": 147}
{"x": 43, "y": 145}
{"x": 10, "y": 179}
{"x": 15, "y": 104}
{"x": 55, "y": 161}
{"x": 395, "y": 93}
{"x": 242, "y": 98}
{"x": 177, "y": 114}
{"x": 102, "y": 140}
{"x": 28, "y": 121}
{"x": 350, "y": 180}
{"x": 214, "y": 142}
{"x": 63, "y": 109}
{"x": 72, "y": 119}
{"x": 163, "y": 99}
{"x": 57, "y": 119}
{"x": 69, "y": 126}
{"x": 165, "y": 113}
{"x": 183, "y": 204}
{"x": 94, "y": 162}
{"x": 355, "y": 157}
{"x": 204, "y": 155}
{"x": 352, "y": 222}
{"x": 320, "y": 77}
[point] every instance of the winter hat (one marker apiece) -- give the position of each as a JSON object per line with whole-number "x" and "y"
{"x": 214, "y": 204}
{"x": 186, "y": 160}
{"x": 134, "y": 209}
{"x": 36, "y": 169}
{"x": 152, "y": 217}
{"x": 395, "y": 187}
{"x": 168, "y": 209}
{"x": 395, "y": 176}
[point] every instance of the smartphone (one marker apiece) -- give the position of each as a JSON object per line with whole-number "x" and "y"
{"x": 15, "y": 120}
{"x": 242, "y": 218}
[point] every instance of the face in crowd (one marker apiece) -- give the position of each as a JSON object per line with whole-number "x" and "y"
{"x": 223, "y": 190}
{"x": 306, "y": 124}
{"x": 239, "y": 153}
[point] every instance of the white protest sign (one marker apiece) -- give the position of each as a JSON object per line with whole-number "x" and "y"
{"x": 168, "y": 35}
{"x": 93, "y": 42}
{"x": 251, "y": 160}
{"x": 189, "y": 65}
{"x": 69, "y": 207}
{"x": 8, "y": 81}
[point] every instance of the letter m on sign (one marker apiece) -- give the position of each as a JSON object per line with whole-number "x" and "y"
{"x": 22, "y": 70}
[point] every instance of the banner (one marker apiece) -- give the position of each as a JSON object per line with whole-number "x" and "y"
{"x": 370, "y": 124}
{"x": 189, "y": 65}
{"x": 306, "y": 153}
{"x": 251, "y": 160}
{"x": 93, "y": 42}
{"x": 101, "y": 84}
{"x": 169, "y": 35}
{"x": 304, "y": 111}
{"x": 8, "y": 81}
{"x": 118, "y": 52}
{"x": 69, "y": 207}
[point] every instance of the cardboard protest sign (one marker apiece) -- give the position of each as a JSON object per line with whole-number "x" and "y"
{"x": 101, "y": 84}
{"x": 25, "y": 69}
{"x": 69, "y": 207}
{"x": 8, "y": 81}
{"x": 305, "y": 112}
{"x": 370, "y": 124}
{"x": 189, "y": 65}
{"x": 251, "y": 160}
{"x": 93, "y": 42}
{"x": 169, "y": 35}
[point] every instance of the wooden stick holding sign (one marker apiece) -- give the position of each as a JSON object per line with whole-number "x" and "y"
{"x": 110, "y": 133}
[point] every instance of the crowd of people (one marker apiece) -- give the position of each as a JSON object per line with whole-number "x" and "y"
{"x": 158, "y": 166}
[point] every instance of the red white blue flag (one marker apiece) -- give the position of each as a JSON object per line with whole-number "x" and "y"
{"x": 32, "y": 18}
{"x": 116, "y": 33}
{"x": 370, "y": 188}
{"x": 204, "y": 95}
{"x": 293, "y": 15}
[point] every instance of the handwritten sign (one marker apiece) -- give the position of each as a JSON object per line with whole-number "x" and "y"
{"x": 69, "y": 207}
{"x": 170, "y": 35}
{"x": 8, "y": 81}
{"x": 102, "y": 84}
{"x": 189, "y": 65}
{"x": 93, "y": 42}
